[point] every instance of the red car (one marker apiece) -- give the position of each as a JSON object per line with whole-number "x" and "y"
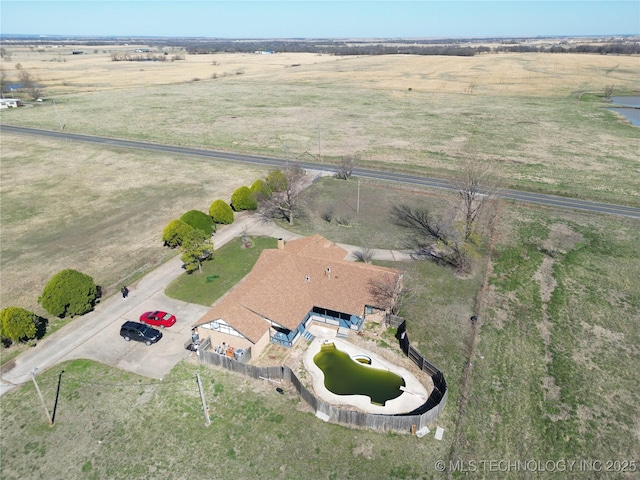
{"x": 158, "y": 319}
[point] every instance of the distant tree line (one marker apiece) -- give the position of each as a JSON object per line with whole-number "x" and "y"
{"x": 146, "y": 57}
{"x": 337, "y": 48}
{"x": 620, "y": 45}
{"x": 607, "y": 49}
{"x": 394, "y": 47}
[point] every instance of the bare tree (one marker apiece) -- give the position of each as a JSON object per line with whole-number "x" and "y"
{"x": 608, "y": 91}
{"x": 475, "y": 188}
{"x": 3, "y": 80}
{"x": 28, "y": 84}
{"x": 286, "y": 203}
{"x": 349, "y": 162}
{"x": 329, "y": 214}
{"x": 436, "y": 239}
{"x": 389, "y": 293}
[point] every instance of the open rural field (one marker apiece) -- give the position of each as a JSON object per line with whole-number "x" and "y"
{"x": 550, "y": 372}
{"x": 554, "y": 371}
{"x": 111, "y": 424}
{"x": 538, "y": 119}
{"x": 551, "y": 379}
{"x": 98, "y": 210}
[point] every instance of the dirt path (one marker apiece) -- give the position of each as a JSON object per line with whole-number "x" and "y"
{"x": 476, "y": 322}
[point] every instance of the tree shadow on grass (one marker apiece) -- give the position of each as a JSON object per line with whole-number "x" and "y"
{"x": 41, "y": 327}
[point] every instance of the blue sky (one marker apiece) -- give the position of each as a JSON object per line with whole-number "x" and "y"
{"x": 321, "y": 19}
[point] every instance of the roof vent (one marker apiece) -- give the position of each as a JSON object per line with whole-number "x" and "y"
{"x": 308, "y": 278}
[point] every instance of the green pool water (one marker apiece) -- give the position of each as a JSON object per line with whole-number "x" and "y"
{"x": 345, "y": 376}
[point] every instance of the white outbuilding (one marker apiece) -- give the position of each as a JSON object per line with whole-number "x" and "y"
{"x": 10, "y": 102}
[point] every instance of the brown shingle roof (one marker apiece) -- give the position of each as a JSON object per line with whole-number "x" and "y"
{"x": 285, "y": 284}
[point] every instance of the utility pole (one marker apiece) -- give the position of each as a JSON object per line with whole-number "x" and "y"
{"x": 319, "y": 154}
{"x": 55, "y": 108}
{"x": 207, "y": 420}
{"x": 286, "y": 155}
{"x": 46, "y": 411}
{"x": 358, "y": 202}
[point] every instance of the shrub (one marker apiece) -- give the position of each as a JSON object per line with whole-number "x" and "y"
{"x": 243, "y": 199}
{"x": 328, "y": 214}
{"x": 221, "y": 212}
{"x": 260, "y": 190}
{"x": 175, "y": 232}
{"x": 17, "y": 324}
{"x": 277, "y": 181}
{"x": 199, "y": 220}
{"x": 69, "y": 292}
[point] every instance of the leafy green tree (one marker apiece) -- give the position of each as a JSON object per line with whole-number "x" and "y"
{"x": 17, "y": 324}
{"x": 260, "y": 190}
{"x": 243, "y": 199}
{"x": 196, "y": 248}
{"x": 277, "y": 181}
{"x": 199, "y": 220}
{"x": 221, "y": 212}
{"x": 175, "y": 232}
{"x": 69, "y": 292}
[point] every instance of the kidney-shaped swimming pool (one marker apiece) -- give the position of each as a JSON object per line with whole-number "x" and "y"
{"x": 344, "y": 375}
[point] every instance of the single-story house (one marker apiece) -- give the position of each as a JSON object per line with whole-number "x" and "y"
{"x": 303, "y": 281}
{"x": 10, "y": 102}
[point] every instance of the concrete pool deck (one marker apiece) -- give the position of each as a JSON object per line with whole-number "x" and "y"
{"x": 414, "y": 396}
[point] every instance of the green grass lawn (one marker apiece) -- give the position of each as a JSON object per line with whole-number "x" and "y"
{"x": 229, "y": 265}
{"x": 364, "y": 219}
{"x": 552, "y": 378}
{"x": 554, "y": 374}
{"x": 112, "y": 424}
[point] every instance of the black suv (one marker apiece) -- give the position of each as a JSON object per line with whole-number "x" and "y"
{"x": 140, "y": 332}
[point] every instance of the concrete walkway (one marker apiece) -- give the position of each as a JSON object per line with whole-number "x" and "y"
{"x": 96, "y": 334}
{"x": 267, "y": 228}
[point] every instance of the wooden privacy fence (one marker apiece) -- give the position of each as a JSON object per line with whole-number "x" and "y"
{"x": 408, "y": 422}
{"x": 393, "y": 320}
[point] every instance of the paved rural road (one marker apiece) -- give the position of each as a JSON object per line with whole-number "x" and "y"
{"x": 537, "y": 198}
{"x": 96, "y": 335}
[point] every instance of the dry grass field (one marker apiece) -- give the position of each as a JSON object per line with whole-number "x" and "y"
{"x": 538, "y": 119}
{"x": 525, "y": 75}
{"x": 98, "y": 210}
{"x": 550, "y": 374}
